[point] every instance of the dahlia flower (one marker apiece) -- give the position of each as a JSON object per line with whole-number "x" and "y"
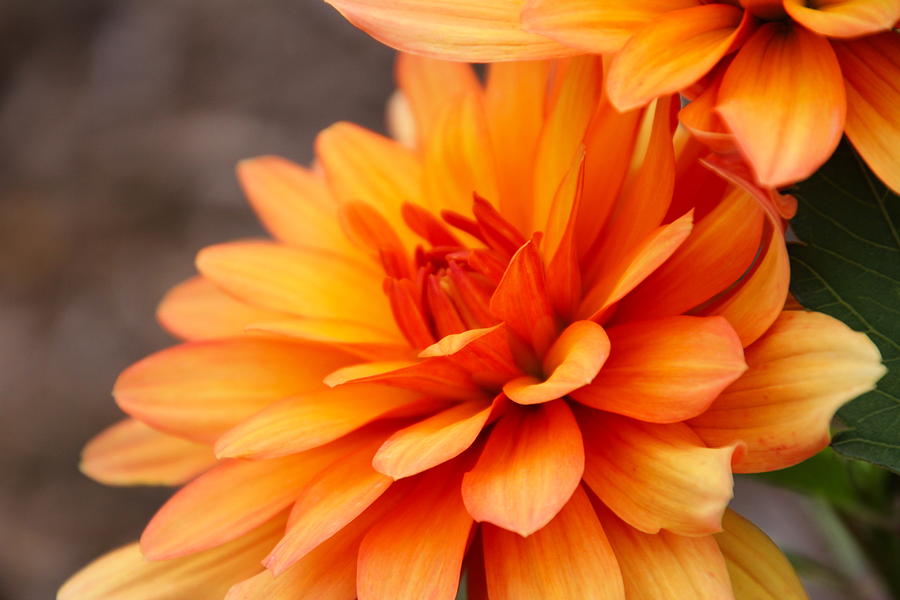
{"x": 780, "y": 80}
{"x": 529, "y": 341}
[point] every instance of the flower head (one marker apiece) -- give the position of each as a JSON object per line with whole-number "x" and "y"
{"x": 532, "y": 341}
{"x": 779, "y": 80}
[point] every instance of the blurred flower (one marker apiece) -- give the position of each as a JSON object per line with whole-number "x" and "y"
{"x": 779, "y": 79}
{"x": 576, "y": 360}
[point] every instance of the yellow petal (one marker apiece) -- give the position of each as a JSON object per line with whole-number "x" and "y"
{"x": 845, "y": 18}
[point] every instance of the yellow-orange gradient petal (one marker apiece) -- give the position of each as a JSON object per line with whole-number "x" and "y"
{"x": 290, "y": 280}
{"x": 671, "y": 53}
{"x": 569, "y": 558}
{"x": 416, "y": 551}
{"x": 130, "y": 453}
{"x": 572, "y": 362}
{"x": 432, "y": 441}
{"x": 757, "y": 568}
{"x": 871, "y": 70}
{"x": 666, "y": 566}
{"x": 228, "y": 501}
{"x": 198, "y": 390}
{"x": 666, "y": 370}
{"x": 125, "y": 573}
{"x": 783, "y": 98}
{"x": 360, "y": 339}
{"x": 466, "y": 30}
{"x": 310, "y": 420}
{"x": 656, "y": 476}
{"x": 596, "y": 27}
{"x": 197, "y": 310}
{"x": 801, "y": 371}
{"x": 845, "y": 18}
{"x": 528, "y": 469}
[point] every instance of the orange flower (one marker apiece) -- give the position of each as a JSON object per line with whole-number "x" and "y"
{"x": 576, "y": 361}
{"x": 779, "y": 79}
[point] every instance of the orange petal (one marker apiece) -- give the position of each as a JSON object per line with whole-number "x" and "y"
{"x": 666, "y": 370}
{"x": 701, "y": 119}
{"x": 432, "y": 441}
{"x": 290, "y": 280}
{"x": 426, "y": 534}
{"x": 872, "y": 79}
{"x": 656, "y": 476}
{"x": 532, "y": 462}
{"x": 666, "y": 566}
{"x": 196, "y": 310}
{"x": 200, "y": 389}
{"x": 845, "y": 18}
{"x": 671, "y": 53}
{"x": 783, "y": 98}
{"x": 308, "y": 421}
{"x": 294, "y": 204}
{"x": 757, "y": 568}
{"x": 359, "y": 339}
{"x": 804, "y": 367}
{"x": 330, "y": 501}
{"x": 596, "y": 27}
{"x": 125, "y": 573}
{"x": 228, "y": 501}
{"x": 569, "y": 558}
{"x": 464, "y": 30}
{"x": 485, "y": 353}
{"x": 573, "y": 361}
{"x": 717, "y": 252}
{"x": 437, "y": 377}
{"x": 130, "y": 453}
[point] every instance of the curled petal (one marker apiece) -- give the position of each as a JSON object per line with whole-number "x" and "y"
{"x": 845, "y": 18}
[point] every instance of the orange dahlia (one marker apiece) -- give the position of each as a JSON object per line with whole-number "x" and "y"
{"x": 529, "y": 342}
{"x": 779, "y": 80}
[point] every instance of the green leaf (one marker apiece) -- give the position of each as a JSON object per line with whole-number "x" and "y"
{"x": 848, "y": 266}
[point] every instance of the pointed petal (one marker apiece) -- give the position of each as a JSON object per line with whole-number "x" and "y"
{"x": 845, "y": 18}
{"x": 308, "y": 421}
{"x": 666, "y": 566}
{"x": 200, "y": 389}
{"x": 531, "y": 463}
{"x": 783, "y": 98}
{"x": 666, "y": 370}
{"x": 595, "y": 27}
{"x": 569, "y": 558}
{"x": 197, "y": 310}
{"x": 426, "y": 534}
{"x": 464, "y": 30}
{"x": 436, "y": 377}
{"x": 804, "y": 367}
{"x": 872, "y": 79}
{"x": 656, "y": 476}
{"x": 432, "y": 441}
{"x": 671, "y": 53}
{"x": 757, "y": 568}
{"x": 130, "y": 453}
{"x": 290, "y": 280}
{"x": 573, "y": 361}
{"x": 359, "y": 339}
{"x": 485, "y": 353}
{"x": 125, "y": 573}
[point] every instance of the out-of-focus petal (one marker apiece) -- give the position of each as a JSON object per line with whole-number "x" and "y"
{"x": 783, "y": 98}
{"x": 531, "y": 463}
{"x": 200, "y": 389}
{"x": 666, "y": 370}
{"x": 569, "y": 558}
{"x": 804, "y": 367}
{"x": 871, "y": 70}
{"x": 130, "y": 453}
{"x": 466, "y": 30}
{"x": 757, "y": 568}
{"x": 671, "y": 53}
{"x": 656, "y": 476}
{"x": 845, "y": 18}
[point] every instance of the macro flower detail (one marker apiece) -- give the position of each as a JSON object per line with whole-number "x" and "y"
{"x": 778, "y": 80}
{"x": 529, "y": 339}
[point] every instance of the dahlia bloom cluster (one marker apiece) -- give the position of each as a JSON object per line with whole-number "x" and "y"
{"x": 777, "y": 80}
{"x": 528, "y": 340}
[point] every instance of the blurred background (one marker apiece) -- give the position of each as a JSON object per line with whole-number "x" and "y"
{"x": 120, "y": 124}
